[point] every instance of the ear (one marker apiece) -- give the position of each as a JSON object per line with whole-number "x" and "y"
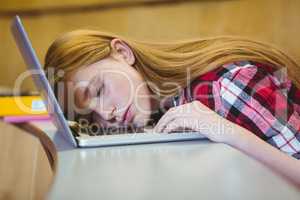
{"x": 122, "y": 50}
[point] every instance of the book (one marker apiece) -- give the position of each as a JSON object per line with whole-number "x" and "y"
{"x": 25, "y": 118}
{"x": 22, "y": 105}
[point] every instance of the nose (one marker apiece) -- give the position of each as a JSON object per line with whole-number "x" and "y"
{"x": 105, "y": 109}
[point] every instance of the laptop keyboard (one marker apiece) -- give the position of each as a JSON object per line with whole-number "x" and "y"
{"x": 79, "y": 130}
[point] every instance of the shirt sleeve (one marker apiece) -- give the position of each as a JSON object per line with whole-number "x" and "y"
{"x": 258, "y": 98}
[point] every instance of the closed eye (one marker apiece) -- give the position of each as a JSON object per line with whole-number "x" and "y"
{"x": 98, "y": 92}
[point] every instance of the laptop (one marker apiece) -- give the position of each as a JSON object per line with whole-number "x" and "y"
{"x": 63, "y": 126}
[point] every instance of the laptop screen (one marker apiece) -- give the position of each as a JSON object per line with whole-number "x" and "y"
{"x": 39, "y": 77}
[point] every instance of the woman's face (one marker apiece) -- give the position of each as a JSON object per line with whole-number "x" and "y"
{"x": 112, "y": 91}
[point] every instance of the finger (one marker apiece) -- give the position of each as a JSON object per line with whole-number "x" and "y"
{"x": 172, "y": 125}
{"x": 175, "y": 123}
{"x": 164, "y": 119}
{"x": 175, "y": 112}
{"x": 183, "y": 124}
{"x": 163, "y": 122}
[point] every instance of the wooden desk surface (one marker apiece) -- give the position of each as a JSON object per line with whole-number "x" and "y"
{"x": 25, "y": 171}
{"x": 178, "y": 170}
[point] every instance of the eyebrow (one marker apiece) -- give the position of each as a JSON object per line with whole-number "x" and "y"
{"x": 81, "y": 94}
{"x": 85, "y": 91}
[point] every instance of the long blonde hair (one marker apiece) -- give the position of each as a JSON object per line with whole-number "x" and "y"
{"x": 159, "y": 63}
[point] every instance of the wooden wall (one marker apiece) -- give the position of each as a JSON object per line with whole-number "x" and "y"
{"x": 274, "y": 21}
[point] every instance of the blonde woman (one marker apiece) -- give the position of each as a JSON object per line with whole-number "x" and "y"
{"x": 233, "y": 90}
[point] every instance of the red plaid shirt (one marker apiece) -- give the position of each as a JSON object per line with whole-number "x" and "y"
{"x": 255, "y": 96}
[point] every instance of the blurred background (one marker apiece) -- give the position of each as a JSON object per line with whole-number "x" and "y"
{"x": 272, "y": 21}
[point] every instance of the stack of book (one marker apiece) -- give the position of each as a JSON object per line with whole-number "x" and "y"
{"x": 23, "y": 108}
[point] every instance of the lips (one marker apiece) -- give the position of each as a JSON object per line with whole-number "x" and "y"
{"x": 125, "y": 116}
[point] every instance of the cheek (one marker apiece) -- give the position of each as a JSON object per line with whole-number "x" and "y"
{"x": 143, "y": 99}
{"x": 121, "y": 92}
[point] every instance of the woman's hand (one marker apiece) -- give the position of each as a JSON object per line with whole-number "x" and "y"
{"x": 197, "y": 117}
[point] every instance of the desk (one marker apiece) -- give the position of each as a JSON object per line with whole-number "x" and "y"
{"x": 178, "y": 170}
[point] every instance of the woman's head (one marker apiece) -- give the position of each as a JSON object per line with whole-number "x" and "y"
{"x": 114, "y": 92}
{"x": 133, "y": 71}
{"x": 105, "y": 86}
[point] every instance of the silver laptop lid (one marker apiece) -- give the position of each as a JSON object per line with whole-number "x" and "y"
{"x": 40, "y": 79}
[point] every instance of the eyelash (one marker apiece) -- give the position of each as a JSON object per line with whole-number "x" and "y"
{"x": 98, "y": 92}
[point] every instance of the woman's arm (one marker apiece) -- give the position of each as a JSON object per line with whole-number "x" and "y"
{"x": 250, "y": 144}
{"x": 197, "y": 116}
